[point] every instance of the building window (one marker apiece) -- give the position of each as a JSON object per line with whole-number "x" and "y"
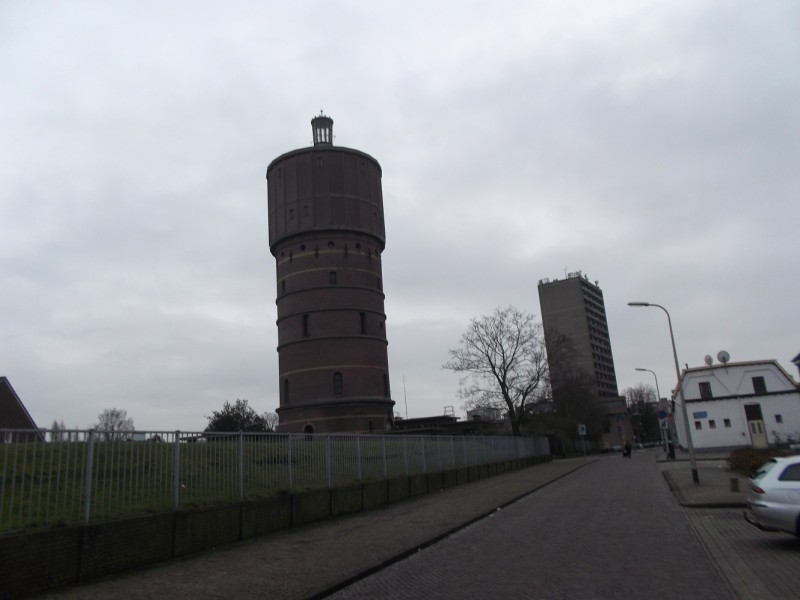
{"x": 286, "y": 391}
{"x": 332, "y": 277}
{"x": 283, "y": 286}
{"x": 386, "y": 385}
{"x": 705, "y": 390}
{"x": 363, "y": 318}
{"x": 779, "y": 418}
{"x": 305, "y": 326}
{"x": 698, "y": 425}
{"x": 759, "y": 386}
{"x": 337, "y": 384}
{"x": 726, "y": 422}
{"x": 712, "y": 424}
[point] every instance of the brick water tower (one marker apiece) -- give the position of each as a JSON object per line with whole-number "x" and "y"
{"x": 326, "y": 232}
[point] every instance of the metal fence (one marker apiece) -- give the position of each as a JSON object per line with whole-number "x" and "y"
{"x": 79, "y": 476}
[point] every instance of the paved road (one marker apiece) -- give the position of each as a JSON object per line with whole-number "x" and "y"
{"x": 607, "y": 531}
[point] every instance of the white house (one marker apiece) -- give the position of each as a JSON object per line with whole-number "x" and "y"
{"x": 745, "y": 404}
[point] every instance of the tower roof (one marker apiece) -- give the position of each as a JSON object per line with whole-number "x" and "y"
{"x": 322, "y": 128}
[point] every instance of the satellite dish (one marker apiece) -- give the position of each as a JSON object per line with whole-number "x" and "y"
{"x": 709, "y": 360}
{"x": 723, "y": 357}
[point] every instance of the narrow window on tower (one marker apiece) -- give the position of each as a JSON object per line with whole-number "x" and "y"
{"x": 337, "y": 384}
{"x": 291, "y": 214}
{"x": 286, "y": 391}
{"x": 386, "y": 385}
{"x": 380, "y": 284}
{"x": 332, "y": 277}
{"x": 305, "y": 326}
{"x": 363, "y": 318}
{"x": 283, "y": 286}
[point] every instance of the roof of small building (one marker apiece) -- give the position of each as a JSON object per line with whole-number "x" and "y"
{"x": 13, "y": 414}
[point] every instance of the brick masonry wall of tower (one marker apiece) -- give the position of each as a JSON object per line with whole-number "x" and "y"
{"x": 327, "y": 235}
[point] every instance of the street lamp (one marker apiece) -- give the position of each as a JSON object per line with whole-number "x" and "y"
{"x": 689, "y": 444}
{"x": 658, "y": 393}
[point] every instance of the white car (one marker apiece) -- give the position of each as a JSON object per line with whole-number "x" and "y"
{"x": 773, "y": 502}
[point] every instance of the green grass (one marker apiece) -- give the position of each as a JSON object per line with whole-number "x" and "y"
{"x": 44, "y": 484}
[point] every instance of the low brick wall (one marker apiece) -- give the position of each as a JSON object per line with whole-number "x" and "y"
{"x": 37, "y": 561}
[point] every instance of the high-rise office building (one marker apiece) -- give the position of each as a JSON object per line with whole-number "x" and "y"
{"x": 573, "y": 312}
{"x": 573, "y": 309}
{"x": 326, "y": 232}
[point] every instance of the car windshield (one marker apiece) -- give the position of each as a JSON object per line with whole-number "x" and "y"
{"x": 764, "y": 469}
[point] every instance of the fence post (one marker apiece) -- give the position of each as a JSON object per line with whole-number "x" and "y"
{"x": 358, "y": 455}
{"x": 176, "y": 469}
{"x": 383, "y": 448}
{"x": 289, "y": 459}
{"x": 240, "y": 466}
{"x": 328, "y": 467}
{"x": 87, "y": 484}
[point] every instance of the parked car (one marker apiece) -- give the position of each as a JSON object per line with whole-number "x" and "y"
{"x": 773, "y": 500}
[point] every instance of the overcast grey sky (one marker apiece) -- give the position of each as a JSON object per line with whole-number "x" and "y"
{"x": 653, "y": 145}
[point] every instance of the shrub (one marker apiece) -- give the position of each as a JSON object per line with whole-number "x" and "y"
{"x": 747, "y": 460}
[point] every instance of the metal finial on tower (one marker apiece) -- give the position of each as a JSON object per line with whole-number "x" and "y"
{"x": 322, "y": 127}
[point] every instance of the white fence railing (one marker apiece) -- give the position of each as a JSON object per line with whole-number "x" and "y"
{"x": 53, "y": 477}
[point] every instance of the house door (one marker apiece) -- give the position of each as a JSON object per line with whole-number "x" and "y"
{"x": 755, "y": 422}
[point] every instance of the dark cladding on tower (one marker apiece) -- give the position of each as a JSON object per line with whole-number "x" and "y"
{"x": 326, "y": 232}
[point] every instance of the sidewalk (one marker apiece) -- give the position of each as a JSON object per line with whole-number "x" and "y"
{"x": 719, "y": 487}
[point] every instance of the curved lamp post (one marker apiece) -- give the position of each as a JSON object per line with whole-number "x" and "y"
{"x": 684, "y": 411}
{"x": 663, "y": 437}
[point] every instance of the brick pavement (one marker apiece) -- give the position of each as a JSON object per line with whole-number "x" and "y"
{"x": 759, "y": 565}
{"x": 611, "y": 530}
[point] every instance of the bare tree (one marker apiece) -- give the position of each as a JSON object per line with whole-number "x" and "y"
{"x": 114, "y": 424}
{"x": 504, "y": 362}
{"x": 58, "y": 431}
{"x": 270, "y": 421}
{"x": 643, "y": 405}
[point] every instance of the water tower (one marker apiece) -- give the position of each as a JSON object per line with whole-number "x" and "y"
{"x": 326, "y": 232}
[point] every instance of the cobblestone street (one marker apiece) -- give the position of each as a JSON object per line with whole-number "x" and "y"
{"x": 611, "y": 530}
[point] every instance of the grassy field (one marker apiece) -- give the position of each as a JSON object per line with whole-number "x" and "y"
{"x": 47, "y": 484}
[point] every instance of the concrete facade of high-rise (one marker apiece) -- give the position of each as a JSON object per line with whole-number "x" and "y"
{"x": 573, "y": 311}
{"x": 327, "y": 234}
{"x": 574, "y": 308}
